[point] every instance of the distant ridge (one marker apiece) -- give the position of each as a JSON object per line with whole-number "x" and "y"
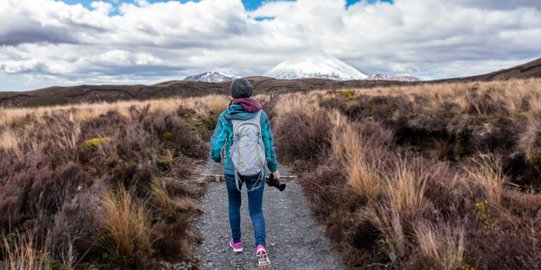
{"x": 182, "y": 88}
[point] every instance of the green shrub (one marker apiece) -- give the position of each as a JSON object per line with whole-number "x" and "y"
{"x": 347, "y": 94}
{"x": 205, "y": 124}
{"x": 93, "y": 144}
{"x": 167, "y": 136}
{"x": 163, "y": 164}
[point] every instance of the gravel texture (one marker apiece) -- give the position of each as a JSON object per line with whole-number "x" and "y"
{"x": 294, "y": 239}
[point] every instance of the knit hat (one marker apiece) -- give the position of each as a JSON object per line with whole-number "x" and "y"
{"x": 241, "y": 88}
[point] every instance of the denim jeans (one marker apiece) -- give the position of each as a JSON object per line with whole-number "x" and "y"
{"x": 255, "y": 200}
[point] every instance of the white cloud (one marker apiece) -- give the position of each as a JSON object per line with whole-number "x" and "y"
{"x": 149, "y": 42}
{"x": 102, "y": 7}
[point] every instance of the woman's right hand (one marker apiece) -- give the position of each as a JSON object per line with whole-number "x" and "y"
{"x": 276, "y": 175}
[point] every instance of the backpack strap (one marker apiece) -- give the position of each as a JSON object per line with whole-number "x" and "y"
{"x": 258, "y": 183}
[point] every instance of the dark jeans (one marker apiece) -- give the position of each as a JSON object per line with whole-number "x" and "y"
{"x": 255, "y": 200}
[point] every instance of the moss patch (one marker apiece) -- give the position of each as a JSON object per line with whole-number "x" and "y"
{"x": 92, "y": 144}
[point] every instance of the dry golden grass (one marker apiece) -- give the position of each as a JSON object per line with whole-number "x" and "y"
{"x": 87, "y": 111}
{"x": 22, "y": 253}
{"x": 443, "y": 245}
{"x": 348, "y": 147}
{"x": 365, "y": 179}
{"x": 530, "y": 138}
{"x": 486, "y": 171}
{"x": 298, "y": 103}
{"x": 511, "y": 94}
{"x": 388, "y": 221}
{"x": 160, "y": 197}
{"x": 126, "y": 225}
{"x": 9, "y": 139}
{"x": 405, "y": 186}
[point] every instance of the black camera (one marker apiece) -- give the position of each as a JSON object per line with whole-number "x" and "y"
{"x": 275, "y": 183}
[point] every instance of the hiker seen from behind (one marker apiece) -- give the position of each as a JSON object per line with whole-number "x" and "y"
{"x": 243, "y": 139}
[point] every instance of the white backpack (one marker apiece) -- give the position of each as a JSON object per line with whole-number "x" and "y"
{"x": 248, "y": 150}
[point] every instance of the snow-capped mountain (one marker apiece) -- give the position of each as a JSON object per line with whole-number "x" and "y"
{"x": 211, "y": 76}
{"x": 384, "y": 77}
{"x": 324, "y": 67}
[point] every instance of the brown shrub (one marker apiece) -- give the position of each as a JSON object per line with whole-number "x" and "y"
{"x": 303, "y": 137}
{"x": 76, "y": 226}
{"x": 173, "y": 240}
{"x": 510, "y": 242}
{"x": 335, "y": 206}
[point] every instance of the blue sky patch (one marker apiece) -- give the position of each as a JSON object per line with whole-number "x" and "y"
{"x": 248, "y": 4}
{"x": 259, "y": 19}
{"x": 351, "y": 2}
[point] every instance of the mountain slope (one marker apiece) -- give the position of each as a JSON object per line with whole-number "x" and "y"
{"x": 529, "y": 70}
{"x": 210, "y": 76}
{"x": 323, "y": 67}
{"x": 384, "y": 77}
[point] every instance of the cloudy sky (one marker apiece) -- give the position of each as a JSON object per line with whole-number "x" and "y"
{"x": 48, "y": 42}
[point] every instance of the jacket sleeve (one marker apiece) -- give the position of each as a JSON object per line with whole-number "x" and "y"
{"x": 268, "y": 140}
{"x": 218, "y": 139}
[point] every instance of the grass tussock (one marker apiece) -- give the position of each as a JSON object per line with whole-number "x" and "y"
{"x": 126, "y": 225}
{"x": 486, "y": 171}
{"x": 440, "y": 247}
{"x": 21, "y": 251}
{"x": 387, "y": 220}
{"x": 405, "y": 186}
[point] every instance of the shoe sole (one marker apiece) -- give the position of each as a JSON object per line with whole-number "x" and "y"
{"x": 236, "y": 250}
{"x": 263, "y": 261}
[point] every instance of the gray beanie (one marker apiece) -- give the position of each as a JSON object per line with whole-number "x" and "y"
{"x": 241, "y": 88}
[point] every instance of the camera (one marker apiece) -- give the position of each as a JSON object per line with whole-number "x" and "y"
{"x": 275, "y": 183}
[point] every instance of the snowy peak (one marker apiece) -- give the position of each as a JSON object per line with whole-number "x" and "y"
{"x": 384, "y": 77}
{"x": 323, "y": 67}
{"x": 211, "y": 76}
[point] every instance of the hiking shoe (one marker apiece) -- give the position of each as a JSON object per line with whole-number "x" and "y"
{"x": 263, "y": 261}
{"x": 237, "y": 247}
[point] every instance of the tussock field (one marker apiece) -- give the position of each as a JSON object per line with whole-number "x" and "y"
{"x": 103, "y": 185}
{"x": 443, "y": 176}
{"x": 431, "y": 176}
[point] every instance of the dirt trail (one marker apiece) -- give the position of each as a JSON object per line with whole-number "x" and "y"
{"x": 294, "y": 239}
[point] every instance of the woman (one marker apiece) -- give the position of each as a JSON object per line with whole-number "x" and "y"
{"x": 242, "y": 110}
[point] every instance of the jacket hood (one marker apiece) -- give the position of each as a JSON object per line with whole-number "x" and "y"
{"x": 249, "y": 104}
{"x": 237, "y": 112}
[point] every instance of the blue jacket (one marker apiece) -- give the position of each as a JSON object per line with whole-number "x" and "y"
{"x": 223, "y": 135}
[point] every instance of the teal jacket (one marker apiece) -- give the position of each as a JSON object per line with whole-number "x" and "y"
{"x": 223, "y": 135}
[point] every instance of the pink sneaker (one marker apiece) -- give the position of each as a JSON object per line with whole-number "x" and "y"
{"x": 263, "y": 261}
{"x": 237, "y": 247}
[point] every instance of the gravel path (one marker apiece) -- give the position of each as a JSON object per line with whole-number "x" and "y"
{"x": 294, "y": 239}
